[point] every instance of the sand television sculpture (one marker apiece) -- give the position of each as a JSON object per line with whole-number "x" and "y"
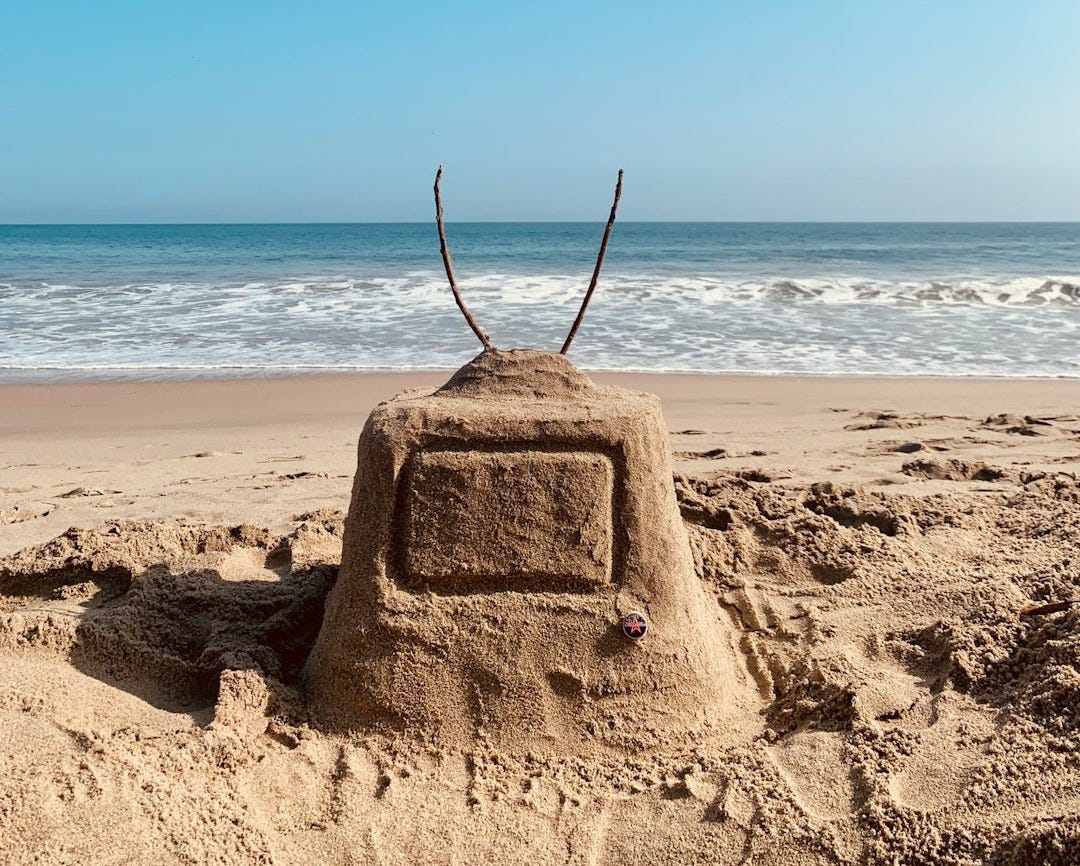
{"x": 500, "y": 531}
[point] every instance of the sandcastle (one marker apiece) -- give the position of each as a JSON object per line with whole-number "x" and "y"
{"x": 500, "y": 530}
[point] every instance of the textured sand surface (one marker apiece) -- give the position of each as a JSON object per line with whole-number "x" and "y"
{"x": 871, "y": 542}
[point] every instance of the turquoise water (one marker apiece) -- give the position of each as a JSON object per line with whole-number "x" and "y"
{"x": 200, "y": 300}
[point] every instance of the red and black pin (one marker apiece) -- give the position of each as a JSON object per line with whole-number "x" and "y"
{"x": 634, "y": 625}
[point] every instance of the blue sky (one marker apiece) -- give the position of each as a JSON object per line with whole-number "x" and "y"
{"x": 812, "y": 110}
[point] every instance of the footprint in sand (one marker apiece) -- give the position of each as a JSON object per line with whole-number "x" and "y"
{"x": 719, "y": 454}
{"x": 948, "y": 753}
{"x": 881, "y": 421}
{"x": 954, "y": 470}
{"x": 888, "y": 418}
{"x": 813, "y": 765}
{"x": 711, "y": 454}
{"x": 1024, "y": 425}
{"x": 1068, "y": 458}
{"x": 78, "y": 492}
{"x": 917, "y": 446}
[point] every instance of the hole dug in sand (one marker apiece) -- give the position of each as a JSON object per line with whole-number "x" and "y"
{"x": 499, "y": 529}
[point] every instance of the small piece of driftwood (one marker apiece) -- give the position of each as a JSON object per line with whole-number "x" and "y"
{"x": 1053, "y": 607}
{"x": 596, "y": 270}
{"x": 448, "y": 264}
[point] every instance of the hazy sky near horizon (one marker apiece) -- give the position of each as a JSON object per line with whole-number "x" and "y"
{"x": 339, "y": 111}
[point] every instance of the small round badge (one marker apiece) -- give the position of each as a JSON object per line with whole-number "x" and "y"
{"x": 634, "y": 625}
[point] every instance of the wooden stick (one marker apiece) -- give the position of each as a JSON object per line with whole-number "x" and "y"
{"x": 596, "y": 270}
{"x": 448, "y": 264}
{"x": 1053, "y": 607}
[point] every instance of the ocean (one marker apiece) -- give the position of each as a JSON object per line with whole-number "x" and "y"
{"x": 173, "y": 301}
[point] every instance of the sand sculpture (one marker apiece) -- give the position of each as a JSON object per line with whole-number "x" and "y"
{"x": 500, "y": 530}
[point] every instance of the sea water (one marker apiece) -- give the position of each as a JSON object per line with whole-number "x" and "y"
{"x": 166, "y": 301}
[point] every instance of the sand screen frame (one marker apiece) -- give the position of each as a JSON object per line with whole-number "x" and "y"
{"x": 588, "y": 493}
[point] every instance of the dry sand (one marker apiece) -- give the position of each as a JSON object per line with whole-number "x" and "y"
{"x": 165, "y": 550}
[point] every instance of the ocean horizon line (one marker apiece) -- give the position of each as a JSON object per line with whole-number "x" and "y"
{"x": 838, "y": 222}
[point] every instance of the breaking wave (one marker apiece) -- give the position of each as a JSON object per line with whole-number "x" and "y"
{"x": 1027, "y": 326}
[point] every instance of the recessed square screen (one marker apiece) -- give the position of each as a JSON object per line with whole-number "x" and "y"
{"x": 513, "y": 520}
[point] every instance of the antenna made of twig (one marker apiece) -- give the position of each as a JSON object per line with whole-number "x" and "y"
{"x": 596, "y": 270}
{"x": 448, "y": 264}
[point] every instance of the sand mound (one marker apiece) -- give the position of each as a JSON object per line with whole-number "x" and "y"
{"x": 500, "y": 529}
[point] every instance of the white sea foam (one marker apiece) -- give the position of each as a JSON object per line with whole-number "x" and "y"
{"x": 649, "y": 321}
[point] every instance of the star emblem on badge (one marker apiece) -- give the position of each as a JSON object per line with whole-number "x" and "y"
{"x": 634, "y": 625}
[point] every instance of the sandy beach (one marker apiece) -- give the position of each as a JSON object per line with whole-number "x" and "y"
{"x": 869, "y": 543}
{"x": 262, "y": 450}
